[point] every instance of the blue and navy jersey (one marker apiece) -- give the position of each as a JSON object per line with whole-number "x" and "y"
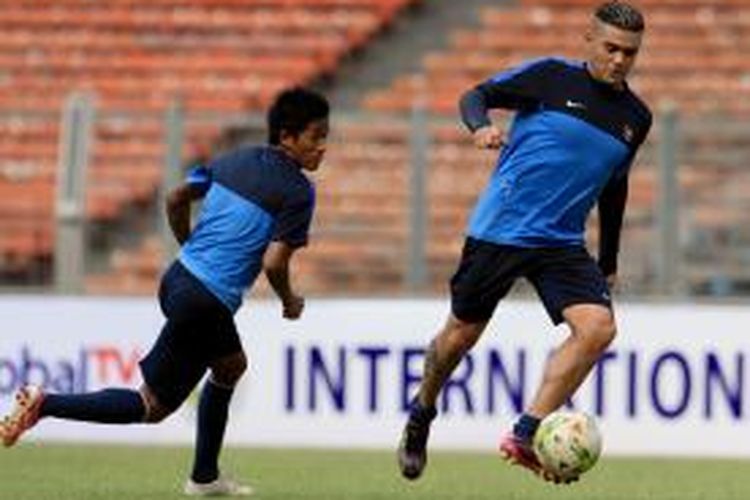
{"x": 571, "y": 143}
{"x": 253, "y": 196}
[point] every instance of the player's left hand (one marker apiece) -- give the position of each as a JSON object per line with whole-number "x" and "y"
{"x": 293, "y": 307}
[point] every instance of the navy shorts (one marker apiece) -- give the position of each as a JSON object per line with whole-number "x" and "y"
{"x": 562, "y": 277}
{"x": 199, "y": 330}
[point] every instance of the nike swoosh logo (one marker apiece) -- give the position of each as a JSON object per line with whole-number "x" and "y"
{"x": 575, "y": 104}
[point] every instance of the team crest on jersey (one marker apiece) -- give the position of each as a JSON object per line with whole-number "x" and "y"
{"x": 627, "y": 133}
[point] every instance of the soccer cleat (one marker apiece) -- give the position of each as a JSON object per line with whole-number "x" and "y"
{"x": 24, "y": 416}
{"x": 219, "y": 487}
{"x": 516, "y": 451}
{"x": 412, "y": 450}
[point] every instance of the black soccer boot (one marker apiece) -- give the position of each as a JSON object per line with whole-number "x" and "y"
{"x": 412, "y": 450}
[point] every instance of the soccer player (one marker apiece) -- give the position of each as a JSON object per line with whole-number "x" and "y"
{"x": 576, "y": 130}
{"x": 256, "y": 212}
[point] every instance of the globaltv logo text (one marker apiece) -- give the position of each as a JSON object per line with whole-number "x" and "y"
{"x": 90, "y": 367}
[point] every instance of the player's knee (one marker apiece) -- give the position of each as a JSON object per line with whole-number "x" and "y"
{"x": 607, "y": 332}
{"x": 155, "y": 411}
{"x": 597, "y": 333}
{"x": 462, "y": 335}
{"x": 236, "y": 372}
{"x": 229, "y": 371}
{"x": 156, "y": 414}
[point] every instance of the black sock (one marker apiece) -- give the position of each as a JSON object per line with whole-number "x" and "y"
{"x": 526, "y": 427}
{"x": 109, "y": 406}
{"x": 421, "y": 414}
{"x": 213, "y": 410}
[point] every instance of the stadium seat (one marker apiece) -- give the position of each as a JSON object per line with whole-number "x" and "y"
{"x": 220, "y": 56}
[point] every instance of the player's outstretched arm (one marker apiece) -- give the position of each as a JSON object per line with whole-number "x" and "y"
{"x": 276, "y": 267}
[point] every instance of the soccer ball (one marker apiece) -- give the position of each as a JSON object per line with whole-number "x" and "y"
{"x": 567, "y": 444}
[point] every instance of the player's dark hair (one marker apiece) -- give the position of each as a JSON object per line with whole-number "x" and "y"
{"x": 621, "y": 15}
{"x": 293, "y": 110}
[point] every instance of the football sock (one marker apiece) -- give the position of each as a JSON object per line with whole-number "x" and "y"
{"x": 526, "y": 427}
{"x": 213, "y": 409}
{"x": 422, "y": 414}
{"x": 109, "y": 406}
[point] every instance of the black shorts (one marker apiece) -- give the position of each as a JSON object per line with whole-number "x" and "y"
{"x": 562, "y": 277}
{"x": 199, "y": 330}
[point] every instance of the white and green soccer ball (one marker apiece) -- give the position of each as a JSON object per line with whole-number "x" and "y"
{"x": 568, "y": 444}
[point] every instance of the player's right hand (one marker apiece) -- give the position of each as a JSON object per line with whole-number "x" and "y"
{"x": 293, "y": 307}
{"x": 488, "y": 137}
{"x": 612, "y": 282}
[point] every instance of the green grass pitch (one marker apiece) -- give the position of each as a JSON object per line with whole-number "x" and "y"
{"x": 45, "y": 472}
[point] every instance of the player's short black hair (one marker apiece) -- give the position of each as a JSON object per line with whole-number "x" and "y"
{"x": 293, "y": 110}
{"x": 621, "y": 15}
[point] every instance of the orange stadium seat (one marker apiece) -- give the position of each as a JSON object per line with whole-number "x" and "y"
{"x": 220, "y": 56}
